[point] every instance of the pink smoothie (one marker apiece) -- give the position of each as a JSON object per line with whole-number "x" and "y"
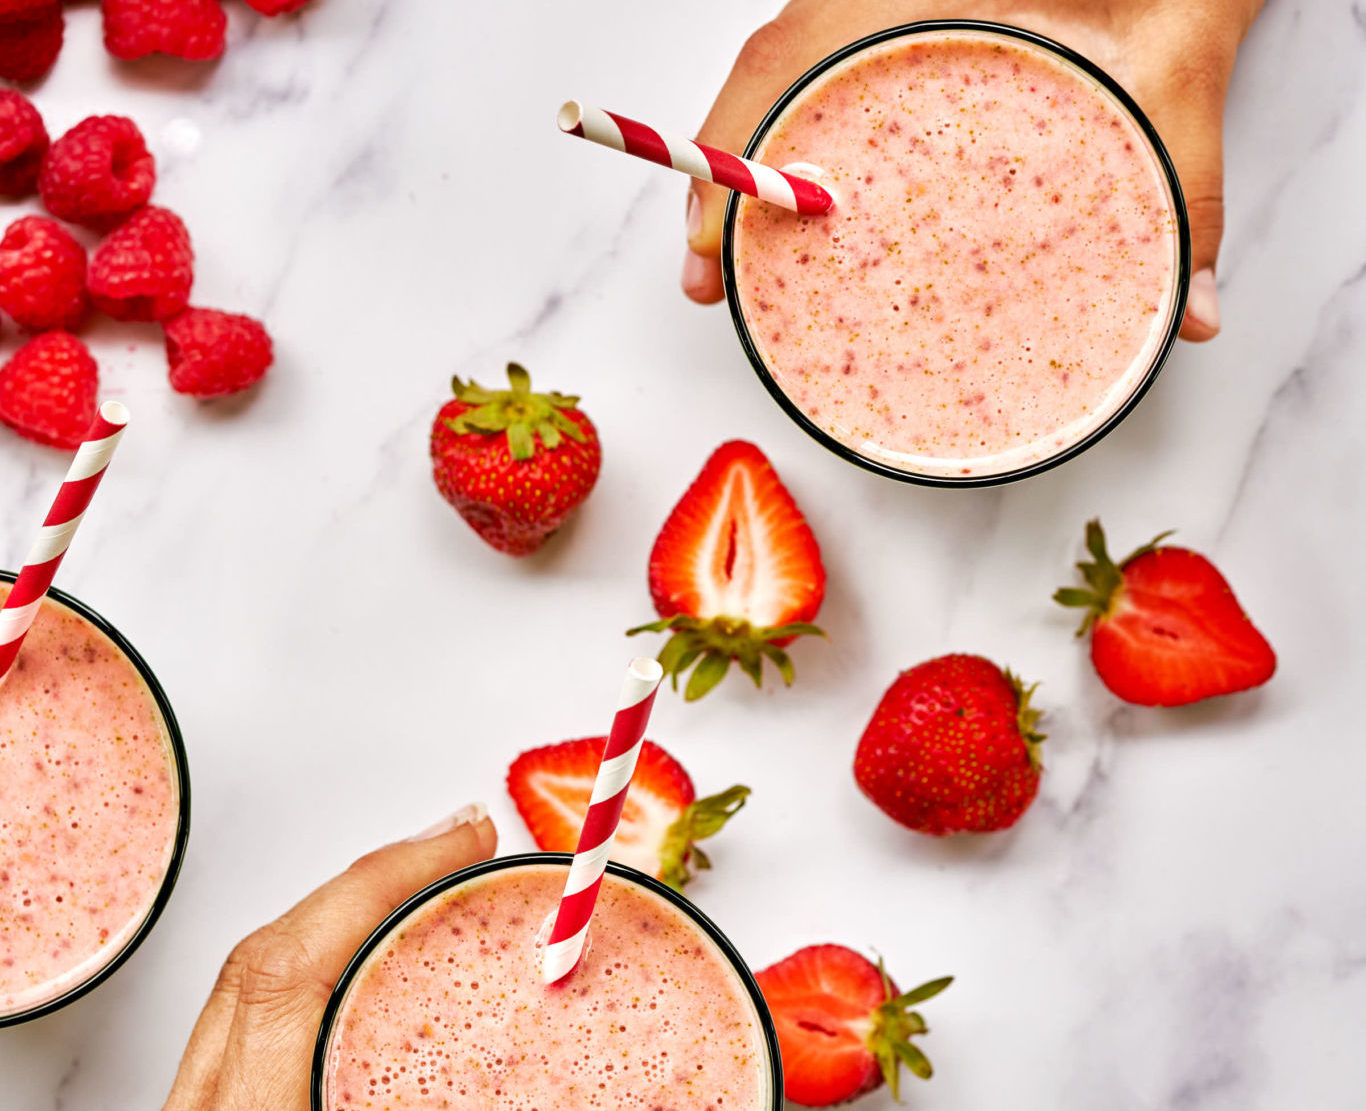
{"x": 89, "y": 807}
{"x": 450, "y": 1012}
{"x": 999, "y": 272}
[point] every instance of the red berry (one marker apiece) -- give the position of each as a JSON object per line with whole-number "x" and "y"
{"x": 952, "y": 748}
{"x": 843, "y": 1028}
{"x": 735, "y": 572}
{"x": 191, "y": 29}
{"x": 47, "y": 390}
{"x": 98, "y": 172}
{"x": 212, "y": 353}
{"x": 42, "y": 275}
{"x": 1165, "y": 627}
{"x": 144, "y": 268}
{"x": 660, "y": 822}
{"x": 277, "y": 7}
{"x": 30, "y": 42}
{"x": 515, "y": 464}
{"x": 23, "y": 141}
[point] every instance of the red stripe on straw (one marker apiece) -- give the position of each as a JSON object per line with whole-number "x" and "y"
{"x": 73, "y": 497}
{"x": 744, "y": 176}
{"x": 729, "y": 171}
{"x": 642, "y": 141}
{"x": 604, "y": 813}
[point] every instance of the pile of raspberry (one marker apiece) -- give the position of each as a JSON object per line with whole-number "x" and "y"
{"x": 31, "y": 30}
{"x": 100, "y": 175}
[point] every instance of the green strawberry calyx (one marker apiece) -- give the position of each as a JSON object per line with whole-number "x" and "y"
{"x": 712, "y": 643}
{"x": 1027, "y": 718}
{"x": 518, "y": 412}
{"x": 893, "y": 1026}
{"x": 679, "y": 855}
{"x": 1104, "y": 578}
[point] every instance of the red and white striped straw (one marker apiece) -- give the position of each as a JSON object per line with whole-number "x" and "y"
{"x": 50, "y": 545}
{"x": 618, "y": 764}
{"x": 702, "y": 162}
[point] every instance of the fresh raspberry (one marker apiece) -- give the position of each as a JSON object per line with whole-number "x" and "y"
{"x": 144, "y": 268}
{"x": 192, "y": 29}
{"x": 47, "y": 391}
{"x": 30, "y": 42}
{"x": 214, "y": 353}
{"x": 277, "y": 7}
{"x": 23, "y": 141}
{"x": 98, "y": 172}
{"x": 42, "y": 275}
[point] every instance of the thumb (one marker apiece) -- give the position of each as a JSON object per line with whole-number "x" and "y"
{"x": 770, "y": 59}
{"x": 1190, "y": 120}
{"x": 288, "y": 969}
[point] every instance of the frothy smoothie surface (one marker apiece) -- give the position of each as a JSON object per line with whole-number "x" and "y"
{"x": 450, "y": 1011}
{"x": 998, "y": 273}
{"x": 89, "y": 807}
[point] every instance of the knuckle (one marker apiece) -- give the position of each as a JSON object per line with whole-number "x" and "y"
{"x": 768, "y": 49}
{"x": 1205, "y": 207}
{"x": 273, "y": 966}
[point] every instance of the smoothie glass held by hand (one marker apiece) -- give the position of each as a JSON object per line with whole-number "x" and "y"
{"x": 94, "y": 807}
{"x": 446, "y": 1005}
{"x": 1005, "y": 268}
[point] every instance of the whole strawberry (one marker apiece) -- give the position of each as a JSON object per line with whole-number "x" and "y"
{"x": 23, "y": 142}
{"x": 1165, "y": 627}
{"x": 735, "y": 573}
{"x": 515, "y": 464}
{"x": 48, "y": 390}
{"x": 843, "y": 1027}
{"x": 42, "y": 275}
{"x": 952, "y": 748}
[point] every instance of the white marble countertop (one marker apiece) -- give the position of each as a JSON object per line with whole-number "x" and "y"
{"x": 1176, "y": 923}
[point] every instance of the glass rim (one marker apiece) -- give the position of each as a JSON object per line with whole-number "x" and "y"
{"x": 335, "y": 1001}
{"x": 182, "y": 835}
{"x": 1182, "y": 274}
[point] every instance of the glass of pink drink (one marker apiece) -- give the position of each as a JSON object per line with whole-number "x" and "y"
{"x": 444, "y": 1005}
{"x": 1004, "y": 271}
{"x": 94, "y": 807}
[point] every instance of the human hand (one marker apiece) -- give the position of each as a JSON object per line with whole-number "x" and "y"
{"x": 1173, "y": 56}
{"x": 252, "y": 1047}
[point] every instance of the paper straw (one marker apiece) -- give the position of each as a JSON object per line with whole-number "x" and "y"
{"x": 50, "y": 545}
{"x": 618, "y": 764}
{"x": 702, "y": 162}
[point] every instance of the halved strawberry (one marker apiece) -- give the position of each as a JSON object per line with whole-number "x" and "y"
{"x": 1165, "y": 627}
{"x": 735, "y": 572}
{"x": 842, "y": 1027}
{"x": 660, "y": 823}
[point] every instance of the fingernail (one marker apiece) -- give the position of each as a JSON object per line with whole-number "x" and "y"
{"x": 695, "y": 271}
{"x": 1202, "y": 302}
{"x": 694, "y": 215}
{"x": 470, "y": 815}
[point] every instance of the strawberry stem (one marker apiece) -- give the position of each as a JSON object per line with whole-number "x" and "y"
{"x": 679, "y": 855}
{"x": 516, "y": 412}
{"x": 894, "y": 1024}
{"x": 714, "y": 643}
{"x": 1104, "y": 578}
{"x": 1027, "y": 718}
